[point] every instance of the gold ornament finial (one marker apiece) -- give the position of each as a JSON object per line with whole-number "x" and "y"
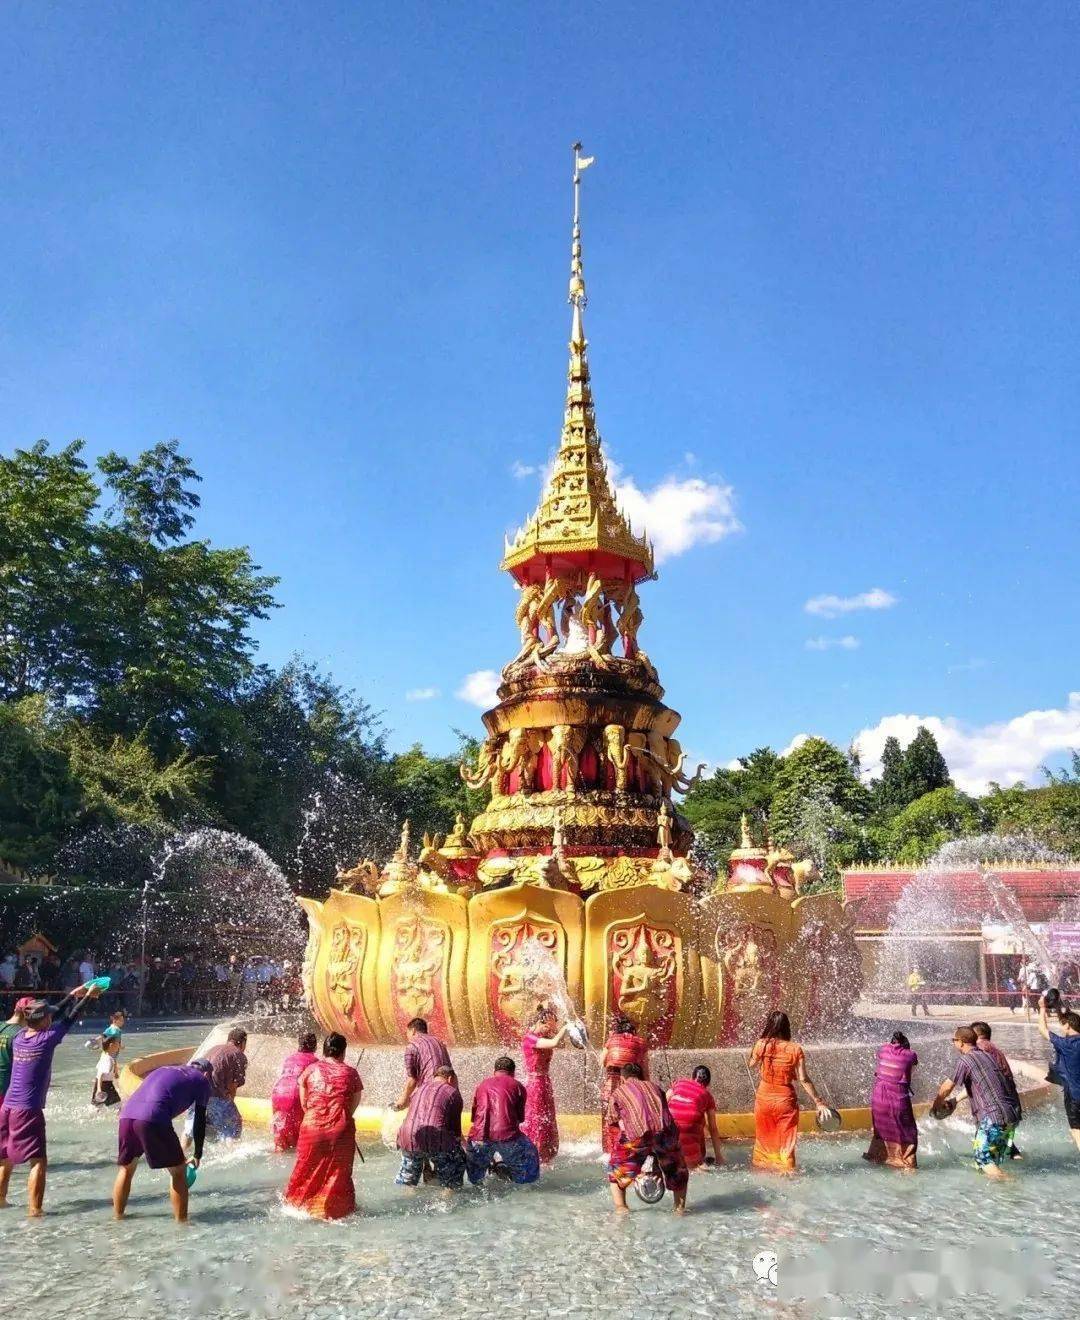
{"x": 744, "y": 826}
{"x": 578, "y": 513}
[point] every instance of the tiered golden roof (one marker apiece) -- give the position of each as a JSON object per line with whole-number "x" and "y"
{"x": 578, "y": 513}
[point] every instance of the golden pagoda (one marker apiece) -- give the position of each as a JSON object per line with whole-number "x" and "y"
{"x": 580, "y": 858}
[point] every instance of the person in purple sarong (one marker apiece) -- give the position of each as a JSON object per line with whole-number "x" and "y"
{"x": 896, "y": 1137}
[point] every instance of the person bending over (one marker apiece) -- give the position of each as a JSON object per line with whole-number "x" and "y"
{"x": 645, "y": 1127}
{"x": 496, "y": 1142}
{"x": 993, "y": 1104}
{"x": 432, "y": 1132}
{"x": 146, "y": 1129}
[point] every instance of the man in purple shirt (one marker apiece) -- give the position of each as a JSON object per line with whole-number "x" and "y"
{"x": 22, "y": 1115}
{"x": 423, "y": 1054}
{"x": 146, "y": 1128}
{"x": 431, "y": 1133}
{"x": 496, "y": 1142}
{"x": 994, "y": 1104}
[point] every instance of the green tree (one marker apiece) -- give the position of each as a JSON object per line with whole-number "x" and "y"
{"x": 48, "y": 610}
{"x": 715, "y": 805}
{"x": 178, "y": 640}
{"x": 889, "y": 791}
{"x": 820, "y": 807}
{"x": 916, "y": 832}
{"x": 924, "y": 768}
{"x": 40, "y": 798}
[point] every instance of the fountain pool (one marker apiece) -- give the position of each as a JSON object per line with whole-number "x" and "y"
{"x": 492, "y": 1254}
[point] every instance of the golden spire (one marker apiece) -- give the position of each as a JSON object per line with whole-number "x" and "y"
{"x": 577, "y": 512}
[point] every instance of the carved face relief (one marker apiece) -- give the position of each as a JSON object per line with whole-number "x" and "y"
{"x": 644, "y": 970}
{"x": 523, "y": 957}
{"x": 420, "y": 951}
{"x": 342, "y": 968}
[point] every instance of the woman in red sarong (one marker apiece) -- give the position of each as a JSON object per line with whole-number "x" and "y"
{"x": 541, "y": 1124}
{"x": 692, "y": 1107}
{"x": 776, "y": 1107}
{"x": 330, "y": 1090}
{"x": 285, "y": 1093}
{"x": 621, "y": 1047}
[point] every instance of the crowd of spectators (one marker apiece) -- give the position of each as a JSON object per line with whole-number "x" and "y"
{"x": 176, "y": 985}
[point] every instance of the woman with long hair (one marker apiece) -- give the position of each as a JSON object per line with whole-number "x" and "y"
{"x": 692, "y": 1107}
{"x": 623, "y": 1046}
{"x": 776, "y": 1106}
{"x": 285, "y": 1093}
{"x": 896, "y": 1137}
{"x": 541, "y": 1123}
{"x": 322, "y": 1182}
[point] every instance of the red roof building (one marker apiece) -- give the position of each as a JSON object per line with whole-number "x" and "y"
{"x": 1042, "y": 892}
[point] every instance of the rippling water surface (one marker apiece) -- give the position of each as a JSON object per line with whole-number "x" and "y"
{"x": 552, "y": 1250}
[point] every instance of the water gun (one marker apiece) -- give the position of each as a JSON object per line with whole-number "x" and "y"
{"x": 101, "y": 983}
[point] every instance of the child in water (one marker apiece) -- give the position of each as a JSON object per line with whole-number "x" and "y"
{"x": 106, "y": 1074}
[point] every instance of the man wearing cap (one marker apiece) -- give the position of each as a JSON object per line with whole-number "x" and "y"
{"x": 22, "y": 1115}
{"x": 146, "y": 1128}
{"x": 8, "y": 1032}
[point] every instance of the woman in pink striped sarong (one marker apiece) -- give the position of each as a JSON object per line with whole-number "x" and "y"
{"x": 285, "y": 1094}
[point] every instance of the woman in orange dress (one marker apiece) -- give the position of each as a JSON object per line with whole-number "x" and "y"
{"x": 322, "y": 1182}
{"x": 776, "y": 1106}
{"x": 621, "y": 1047}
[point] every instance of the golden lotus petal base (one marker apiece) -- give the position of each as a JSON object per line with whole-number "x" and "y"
{"x": 688, "y": 972}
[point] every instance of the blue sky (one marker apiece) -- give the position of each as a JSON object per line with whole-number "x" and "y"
{"x": 831, "y": 255}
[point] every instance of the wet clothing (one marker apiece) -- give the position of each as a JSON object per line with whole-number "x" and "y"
{"x": 1067, "y": 1063}
{"x": 776, "y": 1106}
{"x": 518, "y": 1156}
{"x": 32, "y": 1055}
{"x": 8, "y": 1032}
{"x": 285, "y": 1099}
{"x": 498, "y": 1109}
{"x": 641, "y": 1109}
{"x": 22, "y": 1135}
{"x": 423, "y": 1054}
{"x": 229, "y": 1069}
{"x": 322, "y": 1181}
{"x": 146, "y": 1119}
{"x": 223, "y": 1120}
{"x": 993, "y": 1142}
{"x": 896, "y": 1136}
{"x": 999, "y": 1057}
{"x": 622, "y": 1047}
{"x": 628, "y": 1158}
{"x": 993, "y": 1096}
{"x": 690, "y": 1104}
{"x": 157, "y": 1143}
{"x": 166, "y": 1093}
{"x": 541, "y": 1123}
{"x": 433, "y": 1124}
{"x": 449, "y": 1166}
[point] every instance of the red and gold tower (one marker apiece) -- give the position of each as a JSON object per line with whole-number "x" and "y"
{"x": 580, "y": 858}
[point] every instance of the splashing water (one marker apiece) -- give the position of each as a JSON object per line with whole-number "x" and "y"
{"x": 935, "y": 906}
{"x": 545, "y": 982}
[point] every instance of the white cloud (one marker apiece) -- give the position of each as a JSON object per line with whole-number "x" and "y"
{"x": 523, "y": 470}
{"x": 678, "y": 513}
{"x": 480, "y": 688}
{"x": 796, "y": 743}
{"x": 847, "y": 643}
{"x": 1006, "y": 752}
{"x": 422, "y": 694}
{"x": 830, "y": 607}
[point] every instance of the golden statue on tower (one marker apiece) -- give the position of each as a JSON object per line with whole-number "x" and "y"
{"x": 581, "y": 847}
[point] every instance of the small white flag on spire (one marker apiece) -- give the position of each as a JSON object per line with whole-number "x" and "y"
{"x": 583, "y": 163}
